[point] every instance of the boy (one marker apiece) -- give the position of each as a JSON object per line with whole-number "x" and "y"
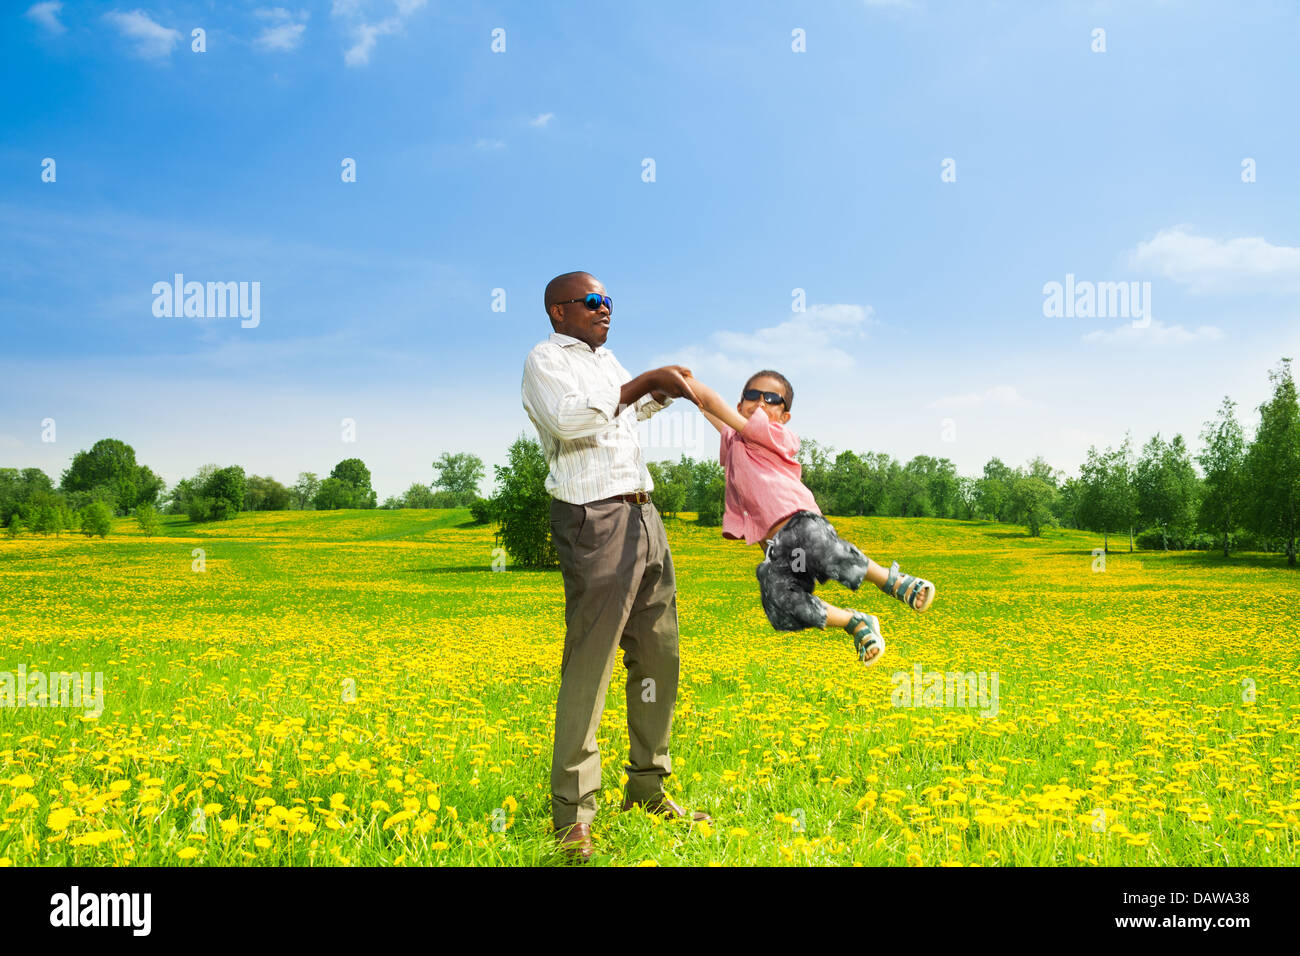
{"x": 767, "y": 502}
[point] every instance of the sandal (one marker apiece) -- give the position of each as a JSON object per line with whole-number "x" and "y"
{"x": 867, "y": 641}
{"x": 909, "y": 589}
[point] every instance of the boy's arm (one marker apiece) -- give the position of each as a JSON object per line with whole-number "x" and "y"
{"x": 717, "y": 411}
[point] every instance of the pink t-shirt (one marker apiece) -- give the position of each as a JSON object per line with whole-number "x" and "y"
{"x": 763, "y": 478}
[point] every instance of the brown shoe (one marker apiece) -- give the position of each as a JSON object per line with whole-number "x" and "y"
{"x": 665, "y": 807}
{"x": 575, "y": 842}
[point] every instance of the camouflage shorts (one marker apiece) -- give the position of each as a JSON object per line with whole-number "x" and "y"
{"x": 805, "y": 552}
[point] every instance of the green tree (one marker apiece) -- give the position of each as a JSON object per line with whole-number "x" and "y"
{"x": 993, "y": 490}
{"x": 96, "y": 518}
{"x": 844, "y": 485}
{"x": 1166, "y": 488}
{"x": 882, "y": 488}
{"x": 943, "y": 486}
{"x": 709, "y": 489}
{"x": 43, "y": 515}
{"x": 522, "y": 506}
{"x": 482, "y": 511}
{"x": 964, "y": 498}
{"x": 17, "y": 488}
{"x": 354, "y": 472}
{"x": 335, "y": 493}
{"x": 265, "y": 494}
{"x": 225, "y": 489}
{"x": 178, "y": 498}
{"x": 1273, "y": 464}
{"x": 1223, "y": 459}
{"x": 418, "y": 496}
{"x": 199, "y": 508}
{"x": 148, "y": 486}
{"x": 915, "y": 482}
{"x": 1039, "y": 468}
{"x": 1065, "y": 507}
{"x": 459, "y": 474}
{"x": 1030, "y": 500}
{"x": 146, "y": 516}
{"x": 815, "y": 463}
{"x": 1107, "y": 499}
{"x": 303, "y": 493}
{"x": 112, "y": 463}
{"x": 668, "y": 495}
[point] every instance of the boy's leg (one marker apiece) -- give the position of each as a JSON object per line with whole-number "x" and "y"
{"x": 786, "y": 580}
{"x": 803, "y": 552}
{"x": 833, "y": 558}
{"x": 844, "y": 562}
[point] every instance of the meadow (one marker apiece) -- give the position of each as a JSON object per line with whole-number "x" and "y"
{"x": 361, "y": 688}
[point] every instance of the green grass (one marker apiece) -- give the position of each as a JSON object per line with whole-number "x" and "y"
{"x": 1125, "y": 687}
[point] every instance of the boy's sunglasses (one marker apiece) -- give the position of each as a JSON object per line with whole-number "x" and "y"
{"x": 593, "y": 301}
{"x": 772, "y": 398}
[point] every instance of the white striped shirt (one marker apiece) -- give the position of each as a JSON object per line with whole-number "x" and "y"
{"x": 591, "y": 445}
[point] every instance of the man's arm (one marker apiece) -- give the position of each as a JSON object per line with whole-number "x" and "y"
{"x": 554, "y": 396}
{"x": 653, "y": 401}
{"x": 671, "y": 381}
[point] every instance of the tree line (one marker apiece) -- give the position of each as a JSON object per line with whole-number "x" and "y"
{"x": 1246, "y": 496}
{"x": 106, "y": 481}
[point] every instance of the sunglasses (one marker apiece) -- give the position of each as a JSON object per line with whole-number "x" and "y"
{"x": 772, "y": 398}
{"x": 593, "y": 301}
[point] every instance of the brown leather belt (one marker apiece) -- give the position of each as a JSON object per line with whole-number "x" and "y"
{"x": 635, "y": 497}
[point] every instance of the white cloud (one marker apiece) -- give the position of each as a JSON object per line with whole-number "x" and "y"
{"x": 489, "y": 144}
{"x": 809, "y": 341}
{"x": 285, "y": 33}
{"x": 47, "y": 15}
{"x": 366, "y": 35}
{"x": 1157, "y": 333}
{"x": 286, "y": 36}
{"x": 153, "y": 41}
{"x": 1205, "y": 264}
{"x": 1005, "y": 395}
{"x": 366, "y": 32}
{"x": 541, "y": 119}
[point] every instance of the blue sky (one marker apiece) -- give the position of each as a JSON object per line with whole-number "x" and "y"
{"x": 923, "y": 329}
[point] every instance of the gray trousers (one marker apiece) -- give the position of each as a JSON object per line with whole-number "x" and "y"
{"x": 619, "y": 591}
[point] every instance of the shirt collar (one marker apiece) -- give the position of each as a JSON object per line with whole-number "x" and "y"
{"x": 559, "y": 338}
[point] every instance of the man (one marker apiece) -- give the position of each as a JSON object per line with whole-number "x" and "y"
{"x": 619, "y": 588}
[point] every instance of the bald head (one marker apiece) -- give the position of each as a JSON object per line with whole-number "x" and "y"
{"x": 569, "y": 315}
{"x": 563, "y": 287}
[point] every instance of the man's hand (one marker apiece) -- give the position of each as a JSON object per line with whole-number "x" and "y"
{"x": 673, "y": 381}
{"x": 668, "y": 382}
{"x": 659, "y": 395}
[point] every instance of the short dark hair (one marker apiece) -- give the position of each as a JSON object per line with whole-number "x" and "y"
{"x": 785, "y": 382}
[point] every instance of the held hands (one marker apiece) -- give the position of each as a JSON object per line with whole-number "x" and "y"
{"x": 709, "y": 400}
{"x": 673, "y": 381}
